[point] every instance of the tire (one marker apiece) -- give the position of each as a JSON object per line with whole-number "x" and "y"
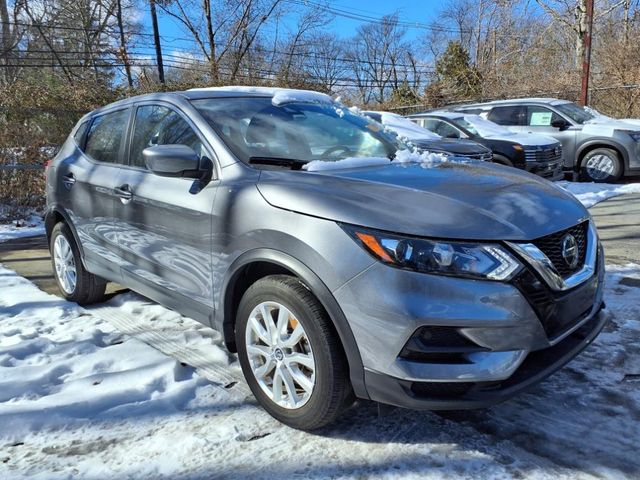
{"x": 331, "y": 392}
{"x": 601, "y": 165}
{"x": 500, "y": 160}
{"x": 87, "y": 288}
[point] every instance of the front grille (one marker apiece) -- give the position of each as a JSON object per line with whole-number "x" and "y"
{"x": 485, "y": 157}
{"x": 548, "y": 153}
{"x": 551, "y": 246}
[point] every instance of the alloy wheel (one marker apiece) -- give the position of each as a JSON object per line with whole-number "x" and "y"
{"x": 600, "y": 167}
{"x": 65, "y": 264}
{"x": 280, "y": 355}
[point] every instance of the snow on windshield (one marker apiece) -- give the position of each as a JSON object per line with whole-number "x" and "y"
{"x": 406, "y": 128}
{"x": 484, "y": 127}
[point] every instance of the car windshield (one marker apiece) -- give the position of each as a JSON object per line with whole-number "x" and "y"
{"x": 477, "y": 125}
{"x": 254, "y": 128}
{"x": 575, "y": 112}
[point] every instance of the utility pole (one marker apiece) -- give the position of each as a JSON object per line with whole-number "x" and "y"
{"x": 123, "y": 45}
{"x": 156, "y": 39}
{"x": 586, "y": 61}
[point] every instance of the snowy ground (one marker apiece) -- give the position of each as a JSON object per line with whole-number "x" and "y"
{"x": 591, "y": 193}
{"x": 129, "y": 389}
{"x": 28, "y": 227}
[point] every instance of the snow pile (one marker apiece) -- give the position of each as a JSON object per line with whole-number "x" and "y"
{"x": 591, "y": 193}
{"x": 349, "y": 162}
{"x": 402, "y": 156}
{"x": 59, "y": 366}
{"x": 281, "y": 96}
{"x": 29, "y": 227}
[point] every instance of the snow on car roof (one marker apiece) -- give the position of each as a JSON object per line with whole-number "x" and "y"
{"x": 438, "y": 113}
{"x": 546, "y": 100}
{"x": 280, "y": 96}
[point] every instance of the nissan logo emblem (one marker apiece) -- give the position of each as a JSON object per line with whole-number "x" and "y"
{"x": 570, "y": 250}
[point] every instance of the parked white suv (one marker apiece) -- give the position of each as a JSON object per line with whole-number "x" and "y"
{"x": 599, "y": 148}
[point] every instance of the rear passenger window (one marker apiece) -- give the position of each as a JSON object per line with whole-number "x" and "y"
{"x": 158, "y": 125}
{"x": 105, "y": 136}
{"x": 510, "y": 116}
{"x": 79, "y": 135}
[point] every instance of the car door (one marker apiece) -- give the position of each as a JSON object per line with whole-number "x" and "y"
{"x": 88, "y": 191}
{"x": 164, "y": 224}
{"x": 540, "y": 120}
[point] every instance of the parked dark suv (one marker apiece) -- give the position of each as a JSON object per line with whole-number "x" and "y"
{"x": 429, "y": 141}
{"x": 334, "y": 260}
{"x": 534, "y": 153}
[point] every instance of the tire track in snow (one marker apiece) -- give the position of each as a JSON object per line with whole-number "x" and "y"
{"x": 168, "y": 345}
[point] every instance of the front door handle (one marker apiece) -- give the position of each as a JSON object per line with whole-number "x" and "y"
{"x": 124, "y": 193}
{"x": 69, "y": 180}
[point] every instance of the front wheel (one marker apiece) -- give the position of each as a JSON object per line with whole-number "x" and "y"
{"x": 290, "y": 354}
{"x": 601, "y": 165}
{"x": 75, "y": 283}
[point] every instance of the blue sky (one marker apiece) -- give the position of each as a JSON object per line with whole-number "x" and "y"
{"x": 410, "y": 10}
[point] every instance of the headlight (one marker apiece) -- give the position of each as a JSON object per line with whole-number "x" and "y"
{"x": 460, "y": 259}
{"x": 518, "y": 148}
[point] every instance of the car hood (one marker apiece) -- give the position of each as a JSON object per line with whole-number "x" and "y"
{"x": 524, "y": 139}
{"x": 607, "y": 126}
{"x": 464, "y": 147}
{"x": 472, "y": 201}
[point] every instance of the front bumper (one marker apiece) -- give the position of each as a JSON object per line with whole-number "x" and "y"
{"x": 386, "y": 307}
{"x": 550, "y": 170}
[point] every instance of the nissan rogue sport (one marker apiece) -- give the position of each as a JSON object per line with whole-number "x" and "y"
{"x": 335, "y": 261}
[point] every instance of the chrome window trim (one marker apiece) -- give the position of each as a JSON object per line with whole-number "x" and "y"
{"x": 543, "y": 266}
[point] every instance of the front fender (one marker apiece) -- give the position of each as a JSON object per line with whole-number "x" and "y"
{"x": 225, "y": 323}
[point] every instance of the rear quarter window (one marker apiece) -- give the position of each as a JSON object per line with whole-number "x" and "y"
{"x": 105, "y": 136}
{"x": 80, "y": 132}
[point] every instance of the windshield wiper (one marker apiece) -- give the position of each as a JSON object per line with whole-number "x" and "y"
{"x": 292, "y": 163}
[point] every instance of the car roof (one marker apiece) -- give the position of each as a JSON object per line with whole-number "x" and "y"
{"x": 220, "y": 92}
{"x": 516, "y": 101}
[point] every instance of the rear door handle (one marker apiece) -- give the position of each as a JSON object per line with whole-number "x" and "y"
{"x": 69, "y": 180}
{"x": 124, "y": 193}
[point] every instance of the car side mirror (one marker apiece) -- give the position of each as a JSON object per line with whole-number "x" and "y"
{"x": 560, "y": 124}
{"x": 453, "y": 135}
{"x": 173, "y": 161}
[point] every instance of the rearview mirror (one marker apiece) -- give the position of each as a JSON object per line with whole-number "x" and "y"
{"x": 173, "y": 161}
{"x": 560, "y": 124}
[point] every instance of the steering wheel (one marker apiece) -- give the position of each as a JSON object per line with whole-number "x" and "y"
{"x": 337, "y": 148}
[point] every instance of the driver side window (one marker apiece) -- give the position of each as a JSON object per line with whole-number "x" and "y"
{"x": 541, "y": 117}
{"x": 442, "y": 128}
{"x": 160, "y": 125}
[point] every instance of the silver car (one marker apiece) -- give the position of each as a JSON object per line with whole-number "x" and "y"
{"x": 335, "y": 262}
{"x": 598, "y": 148}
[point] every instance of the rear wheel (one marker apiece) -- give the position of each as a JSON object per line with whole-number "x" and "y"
{"x": 74, "y": 282}
{"x": 290, "y": 354}
{"x": 601, "y": 165}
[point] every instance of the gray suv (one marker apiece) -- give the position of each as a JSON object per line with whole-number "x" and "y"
{"x": 335, "y": 262}
{"x": 600, "y": 149}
